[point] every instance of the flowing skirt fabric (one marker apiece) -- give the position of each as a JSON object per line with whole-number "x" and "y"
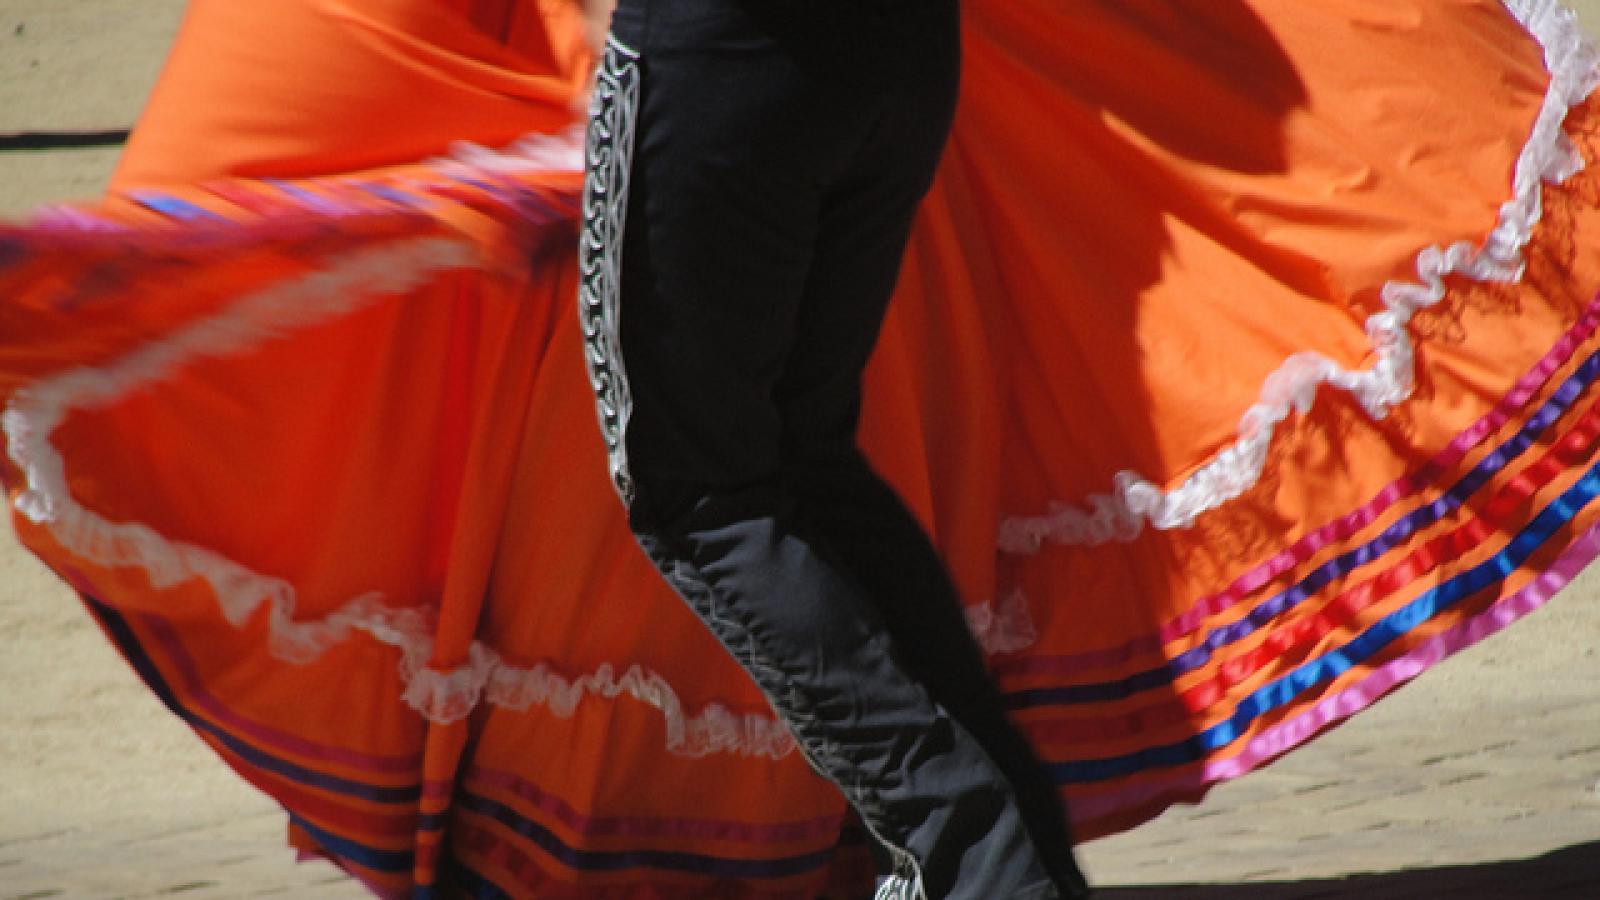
{"x": 1242, "y": 367}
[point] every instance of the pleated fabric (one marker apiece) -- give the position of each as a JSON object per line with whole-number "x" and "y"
{"x": 1242, "y": 368}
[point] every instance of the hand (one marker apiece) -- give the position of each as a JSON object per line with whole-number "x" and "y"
{"x": 597, "y": 22}
{"x": 596, "y": 25}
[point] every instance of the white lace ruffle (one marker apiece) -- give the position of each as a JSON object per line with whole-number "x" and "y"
{"x": 1548, "y": 156}
{"x": 345, "y": 285}
{"x": 31, "y": 418}
{"x": 446, "y": 696}
{"x": 559, "y": 152}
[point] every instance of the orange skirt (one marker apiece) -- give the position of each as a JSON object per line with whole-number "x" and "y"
{"x": 1243, "y": 366}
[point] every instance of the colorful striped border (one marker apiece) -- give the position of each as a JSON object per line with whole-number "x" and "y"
{"x": 1570, "y": 451}
{"x": 1341, "y": 529}
{"x": 312, "y": 818}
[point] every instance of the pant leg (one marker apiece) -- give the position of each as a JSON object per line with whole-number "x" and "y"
{"x": 810, "y": 638}
{"x": 864, "y": 224}
{"x": 734, "y": 146}
{"x": 879, "y": 543}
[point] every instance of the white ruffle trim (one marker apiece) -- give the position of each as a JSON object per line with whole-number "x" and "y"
{"x": 447, "y": 696}
{"x": 346, "y": 285}
{"x": 1549, "y": 156}
{"x": 559, "y": 152}
{"x": 35, "y": 412}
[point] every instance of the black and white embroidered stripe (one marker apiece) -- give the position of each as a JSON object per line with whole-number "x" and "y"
{"x": 613, "y": 111}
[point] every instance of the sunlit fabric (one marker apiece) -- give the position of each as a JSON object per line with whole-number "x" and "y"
{"x": 1243, "y": 366}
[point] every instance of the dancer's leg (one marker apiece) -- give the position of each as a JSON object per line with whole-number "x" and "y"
{"x": 880, "y": 544}
{"x": 740, "y": 135}
{"x": 863, "y": 226}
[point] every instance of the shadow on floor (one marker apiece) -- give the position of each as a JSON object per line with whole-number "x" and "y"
{"x": 1572, "y": 872}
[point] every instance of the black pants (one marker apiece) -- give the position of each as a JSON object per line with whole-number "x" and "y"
{"x": 754, "y": 168}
